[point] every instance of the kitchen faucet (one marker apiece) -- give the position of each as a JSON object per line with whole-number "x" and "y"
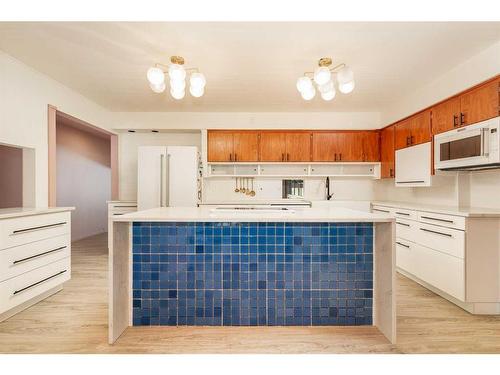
{"x": 327, "y": 186}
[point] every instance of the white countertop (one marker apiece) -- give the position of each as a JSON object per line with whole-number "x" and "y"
{"x": 202, "y": 214}
{"x": 448, "y": 210}
{"x": 257, "y": 202}
{"x": 7, "y": 213}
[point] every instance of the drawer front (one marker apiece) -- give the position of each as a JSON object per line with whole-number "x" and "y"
{"x": 26, "y": 229}
{"x": 121, "y": 210}
{"x": 382, "y": 210}
{"x": 404, "y": 255}
{"x": 20, "y": 259}
{"x": 405, "y": 229}
{"x": 405, "y": 214}
{"x": 24, "y": 287}
{"x": 457, "y": 222}
{"x": 442, "y": 271}
{"x": 446, "y": 240}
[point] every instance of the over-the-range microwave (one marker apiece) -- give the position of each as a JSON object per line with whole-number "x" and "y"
{"x": 474, "y": 147}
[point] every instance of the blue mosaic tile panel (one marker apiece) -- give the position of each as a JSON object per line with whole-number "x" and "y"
{"x": 252, "y": 274}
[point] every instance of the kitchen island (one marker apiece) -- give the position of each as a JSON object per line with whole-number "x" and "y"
{"x": 253, "y": 267}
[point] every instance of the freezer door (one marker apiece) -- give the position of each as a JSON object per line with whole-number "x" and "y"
{"x": 151, "y": 177}
{"x": 182, "y": 166}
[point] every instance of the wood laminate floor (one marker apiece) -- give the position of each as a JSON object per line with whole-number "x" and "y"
{"x": 75, "y": 321}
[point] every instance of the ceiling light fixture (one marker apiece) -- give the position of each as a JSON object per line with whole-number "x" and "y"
{"x": 325, "y": 78}
{"x": 177, "y": 77}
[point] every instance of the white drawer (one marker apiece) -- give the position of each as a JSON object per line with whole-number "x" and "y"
{"x": 405, "y": 214}
{"x": 382, "y": 210}
{"x": 20, "y": 259}
{"x": 405, "y": 229}
{"x": 121, "y": 210}
{"x": 24, "y": 287}
{"x": 21, "y": 230}
{"x": 404, "y": 255}
{"x": 442, "y": 271}
{"x": 446, "y": 240}
{"x": 450, "y": 221}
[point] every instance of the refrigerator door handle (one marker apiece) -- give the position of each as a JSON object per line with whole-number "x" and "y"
{"x": 161, "y": 179}
{"x": 167, "y": 198}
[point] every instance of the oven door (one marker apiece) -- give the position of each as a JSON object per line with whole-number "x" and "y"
{"x": 462, "y": 148}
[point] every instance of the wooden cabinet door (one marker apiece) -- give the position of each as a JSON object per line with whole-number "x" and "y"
{"x": 446, "y": 116}
{"x": 371, "y": 145}
{"x": 298, "y": 146}
{"x": 246, "y": 146}
{"x": 350, "y": 146}
{"x": 402, "y": 134}
{"x": 272, "y": 146}
{"x": 420, "y": 128}
{"x": 220, "y": 146}
{"x": 480, "y": 104}
{"x": 325, "y": 146}
{"x": 387, "y": 152}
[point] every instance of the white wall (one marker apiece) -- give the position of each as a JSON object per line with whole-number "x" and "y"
{"x": 24, "y": 96}
{"x": 127, "y": 148}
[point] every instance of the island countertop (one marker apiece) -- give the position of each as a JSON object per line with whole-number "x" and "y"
{"x": 209, "y": 214}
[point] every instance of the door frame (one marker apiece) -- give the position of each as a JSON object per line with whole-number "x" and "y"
{"x": 52, "y": 113}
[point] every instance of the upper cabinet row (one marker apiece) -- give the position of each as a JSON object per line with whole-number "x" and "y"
{"x": 293, "y": 146}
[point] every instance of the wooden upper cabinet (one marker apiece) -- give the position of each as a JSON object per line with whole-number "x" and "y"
{"x": 298, "y": 146}
{"x": 371, "y": 145}
{"x": 446, "y": 115}
{"x": 420, "y": 128}
{"x": 220, "y": 146}
{"x": 387, "y": 151}
{"x": 325, "y": 146}
{"x": 272, "y": 146}
{"x": 245, "y": 146}
{"x": 402, "y": 134}
{"x": 350, "y": 146}
{"x": 479, "y": 104}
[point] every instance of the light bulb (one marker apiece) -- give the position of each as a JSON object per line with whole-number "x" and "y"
{"x": 155, "y": 76}
{"x": 196, "y": 91}
{"x": 329, "y": 95}
{"x": 346, "y": 88}
{"x": 177, "y": 85}
{"x": 197, "y": 80}
{"x": 304, "y": 83}
{"x": 177, "y": 94}
{"x": 326, "y": 87}
{"x": 322, "y": 75}
{"x": 158, "y": 88}
{"x": 176, "y": 72}
{"x": 345, "y": 75}
{"x": 309, "y": 94}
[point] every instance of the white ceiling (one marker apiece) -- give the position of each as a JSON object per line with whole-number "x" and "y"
{"x": 250, "y": 67}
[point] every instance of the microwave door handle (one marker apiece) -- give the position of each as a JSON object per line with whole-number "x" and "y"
{"x": 485, "y": 142}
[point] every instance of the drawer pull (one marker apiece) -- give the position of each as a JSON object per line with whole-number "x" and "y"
{"x": 435, "y": 232}
{"x": 379, "y": 210}
{"x": 125, "y": 207}
{"x": 20, "y": 231}
{"x": 118, "y": 214}
{"x": 406, "y": 225}
{"x": 402, "y": 213}
{"x": 436, "y": 219}
{"x": 411, "y": 182}
{"x": 402, "y": 244}
{"x": 38, "y": 282}
{"x": 38, "y": 255}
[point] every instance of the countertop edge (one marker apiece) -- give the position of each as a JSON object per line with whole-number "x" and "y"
{"x": 475, "y": 212}
{"x": 34, "y": 211}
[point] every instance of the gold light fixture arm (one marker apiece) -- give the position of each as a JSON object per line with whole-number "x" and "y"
{"x": 175, "y": 60}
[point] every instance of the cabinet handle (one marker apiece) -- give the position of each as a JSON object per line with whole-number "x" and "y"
{"x": 402, "y": 244}
{"x": 391, "y": 172}
{"x": 407, "y": 141}
{"x": 230, "y": 157}
{"x": 462, "y": 118}
{"x": 435, "y": 232}
{"x": 20, "y": 231}
{"x": 38, "y": 255}
{"x": 235, "y": 157}
{"x": 379, "y": 210}
{"x": 436, "y": 219}
{"x": 406, "y": 225}
{"x": 335, "y": 156}
{"x": 412, "y": 139}
{"x": 38, "y": 282}
{"x": 455, "y": 121}
{"x": 402, "y": 213}
{"x": 282, "y": 157}
{"x": 287, "y": 157}
{"x": 340, "y": 156}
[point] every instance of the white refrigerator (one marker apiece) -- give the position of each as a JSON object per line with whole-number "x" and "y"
{"x": 167, "y": 176}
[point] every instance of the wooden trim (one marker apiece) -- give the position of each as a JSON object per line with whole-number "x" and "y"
{"x": 83, "y": 125}
{"x": 52, "y": 156}
{"x": 115, "y": 190}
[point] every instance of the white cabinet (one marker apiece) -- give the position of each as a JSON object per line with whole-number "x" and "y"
{"x": 413, "y": 166}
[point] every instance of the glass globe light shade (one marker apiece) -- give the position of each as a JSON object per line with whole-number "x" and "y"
{"x": 304, "y": 83}
{"x": 178, "y": 95}
{"x": 177, "y": 85}
{"x": 345, "y": 75}
{"x": 196, "y": 91}
{"x": 176, "y": 72}
{"x": 329, "y": 95}
{"x": 346, "y": 88}
{"x": 309, "y": 94}
{"x": 155, "y": 76}
{"x": 197, "y": 80}
{"x": 322, "y": 75}
{"x": 326, "y": 87}
{"x": 158, "y": 88}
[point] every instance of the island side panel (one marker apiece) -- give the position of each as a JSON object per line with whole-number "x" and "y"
{"x": 384, "y": 288}
{"x": 119, "y": 280}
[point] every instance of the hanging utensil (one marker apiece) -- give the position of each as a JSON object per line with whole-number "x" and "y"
{"x": 236, "y": 189}
{"x": 242, "y": 189}
{"x": 248, "y": 186}
{"x": 252, "y": 193}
